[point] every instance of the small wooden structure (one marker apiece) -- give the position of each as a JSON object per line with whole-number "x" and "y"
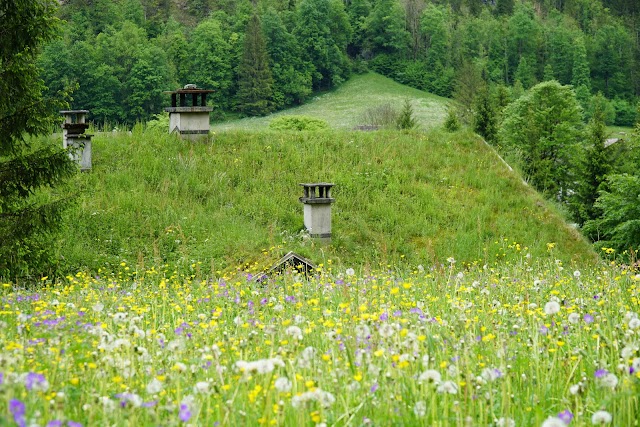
{"x": 290, "y": 261}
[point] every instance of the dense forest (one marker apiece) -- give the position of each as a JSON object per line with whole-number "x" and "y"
{"x": 116, "y": 57}
{"x": 539, "y": 79}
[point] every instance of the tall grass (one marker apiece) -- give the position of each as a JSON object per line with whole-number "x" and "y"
{"x": 415, "y": 198}
{"x": 529, "y": 344}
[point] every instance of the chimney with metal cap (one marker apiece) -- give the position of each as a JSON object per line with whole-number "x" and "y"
{"x": 317, "y": 202}
{"x": 75, "y": 139}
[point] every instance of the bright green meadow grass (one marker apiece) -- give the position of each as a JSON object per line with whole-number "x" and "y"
{"x": 344, "y": 107}
{"x": 401, "y": 199}
{"x": 526, "y": 344}
{"x": 451, "y": 293}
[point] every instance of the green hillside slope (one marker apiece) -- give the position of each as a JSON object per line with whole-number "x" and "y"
{"x": 401, "y": 198}
{"x": 344, "y": 107}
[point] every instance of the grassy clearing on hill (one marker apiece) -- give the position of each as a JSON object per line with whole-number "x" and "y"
{"x": 401, "y": 199}
{"x": 344, "y": 107}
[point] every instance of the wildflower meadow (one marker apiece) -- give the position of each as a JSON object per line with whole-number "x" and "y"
{"x": 529, "y": 343}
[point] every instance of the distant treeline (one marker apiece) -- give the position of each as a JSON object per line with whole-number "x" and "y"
{"x": 116, "y": 57}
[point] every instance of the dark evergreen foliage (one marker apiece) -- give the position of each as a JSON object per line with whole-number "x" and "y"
{"x": 593, "y": 169}
{"x": 255, "y": 92}
{"x": 485, "y": 117}
{"x": 405, "y": 120}
{"x": 28, "y": 221}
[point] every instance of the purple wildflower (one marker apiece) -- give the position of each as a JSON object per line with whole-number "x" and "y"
{"x": 544, "y": 330}
{"x": 397, "y": 313}
{"x": 588, "y": 318}
{"x": 384, "y": 316}
{"x": 185, "y": 413}
{"x": 54, "y": 423}
{"x": 17, "y": 409}
{"x": 566, "y": 416}
{"x": 149, "y": 404}
{"x": 374, "y": 387}
{"x": 73, "y": 424}
{"x": 1, "y": 378}
{"x": 600, "y": 373}
{"x": 33, "y": 380}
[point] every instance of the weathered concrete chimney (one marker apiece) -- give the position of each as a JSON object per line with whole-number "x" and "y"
{"x": 317, "y": 202}
{"x": 75, "y": 139}
{"x": 189, "y": 117}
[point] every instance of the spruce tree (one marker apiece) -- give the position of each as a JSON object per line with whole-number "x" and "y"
{"x": 405, "y": 119}
{"x": 255, "y": 93}
{"x": 484, "y": 117}
{"x": 28, "y": 220}
{"x": 580, "y": 74}
{"x": 594, "y": 168}
{"x": 504, "y": 7}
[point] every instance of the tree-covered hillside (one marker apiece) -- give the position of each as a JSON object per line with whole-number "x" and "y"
{"x": 120, "y": 55}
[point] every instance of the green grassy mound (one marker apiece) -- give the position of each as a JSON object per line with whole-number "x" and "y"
{"x": 401, "y": 199}
{"x": 345, "y": 107}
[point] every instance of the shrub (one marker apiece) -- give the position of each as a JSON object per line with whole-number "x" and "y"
{"x": 452, "y": 122}
{"x": 383, "y": 115}
{"x": 159, "y": 123}
{"x": 625, "y": 112}
{"x": 298, "y": 123}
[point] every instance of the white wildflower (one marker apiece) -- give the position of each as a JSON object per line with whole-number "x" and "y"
{"x": 107, "y": 403}
{"x": 609, "y": 381}
{"x": 574, "y": 318}
{"x": 634, "y": 323}
{"x": 362, "y": 331}
{"x": 601, "y": 417}
{"x": 353, "y": 386}
{"x": 386, "y": 330}
{"x": 628, "y": 351}
{"x": 430, "y": 376}
{"x": 294, "y": 332}
{"x": 98, "y": 307}
{"x": 283, "y": 385}
{"x": 262, "y": 366}
{"x": 425, "y": 360}
{"x": 325, "y": 398}
{"x": 505, "y": 422}
{"x": 154, "y": 387}
{"x": 576, "y": 274}
{"x": 350, "y": 272}
{"x": 551, "y": 308}
{"x": 119, "y": 317}
{"x": 201, "y": 387}
{"x": 448, "y": 387}
{"x": 420, "y": 408}
{"x": 491, "y": 374}
{"x": 553, "y": 422}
